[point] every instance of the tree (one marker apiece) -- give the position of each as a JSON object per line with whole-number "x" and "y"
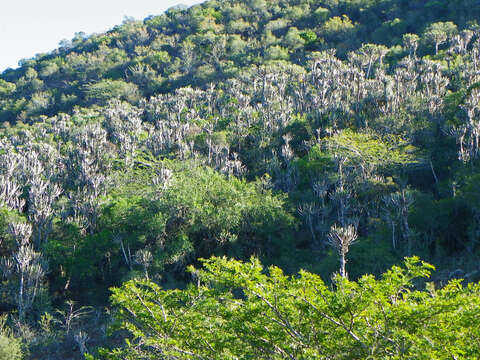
{"x": 410, "y": 41}
{"x": 6, "y": 87}
{"x": 365, "y": 150}
{"x": 25, "y": 270}
{"x": 368, "y": 54}
{"x": 341, "y": 238}
{"x": 398, "y": 207}
{"x": 189, "y": 56}
{"x": 123, "y": 124}
{"x": 236, "y": 310}
{"x": 338, "y": 28}
{"x": 103, "y": 91}
{"x": 294, "y": 39}
{"x": 41, "y": 198}
{"x": 439, "y": 33}
{"x": 10, "y": 187}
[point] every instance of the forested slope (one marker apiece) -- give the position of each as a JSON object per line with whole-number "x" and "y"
{"x": 286, "y": 130}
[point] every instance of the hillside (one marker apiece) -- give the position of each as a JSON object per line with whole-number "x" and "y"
{"x": 286, "y": 130}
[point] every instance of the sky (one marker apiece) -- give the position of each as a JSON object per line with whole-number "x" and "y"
{"x": 29, "y": 27}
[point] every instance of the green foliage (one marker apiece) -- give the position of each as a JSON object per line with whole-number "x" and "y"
{"x": 276, "y": 52}
{"x": 238, "y": 311}
{"x": 439, "y": 32}
{"x": 338, "y": 28}
{"x": 315, "y": 164}
{"x": 85, "y": 63}
{"x": 308, "y": 36}
{"x": 105, "y": 90}
{"x": 363, "y": 148}
{"x": 252, "y": 127}
{"x": 222, "y": 212}
{"x": 6, "y": 87}
{"x": 321, "y": 14}
{"x": 174, "y": 223}
{"x": 294, "y": 38}
{"x": 7, "y": 217}
{"x": 10, "y": 348}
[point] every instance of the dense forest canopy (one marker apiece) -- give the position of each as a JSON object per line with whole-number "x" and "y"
{"x": 316, "y": 136}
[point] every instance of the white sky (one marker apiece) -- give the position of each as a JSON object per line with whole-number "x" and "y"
{"x": 29, "y": 27}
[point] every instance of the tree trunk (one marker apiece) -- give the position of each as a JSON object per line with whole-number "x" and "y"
{"x": 343, "y": 273}
{"x": 21, "y": 311}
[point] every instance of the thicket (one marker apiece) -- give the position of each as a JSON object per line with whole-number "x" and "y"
{"x": 318, "y": 135}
